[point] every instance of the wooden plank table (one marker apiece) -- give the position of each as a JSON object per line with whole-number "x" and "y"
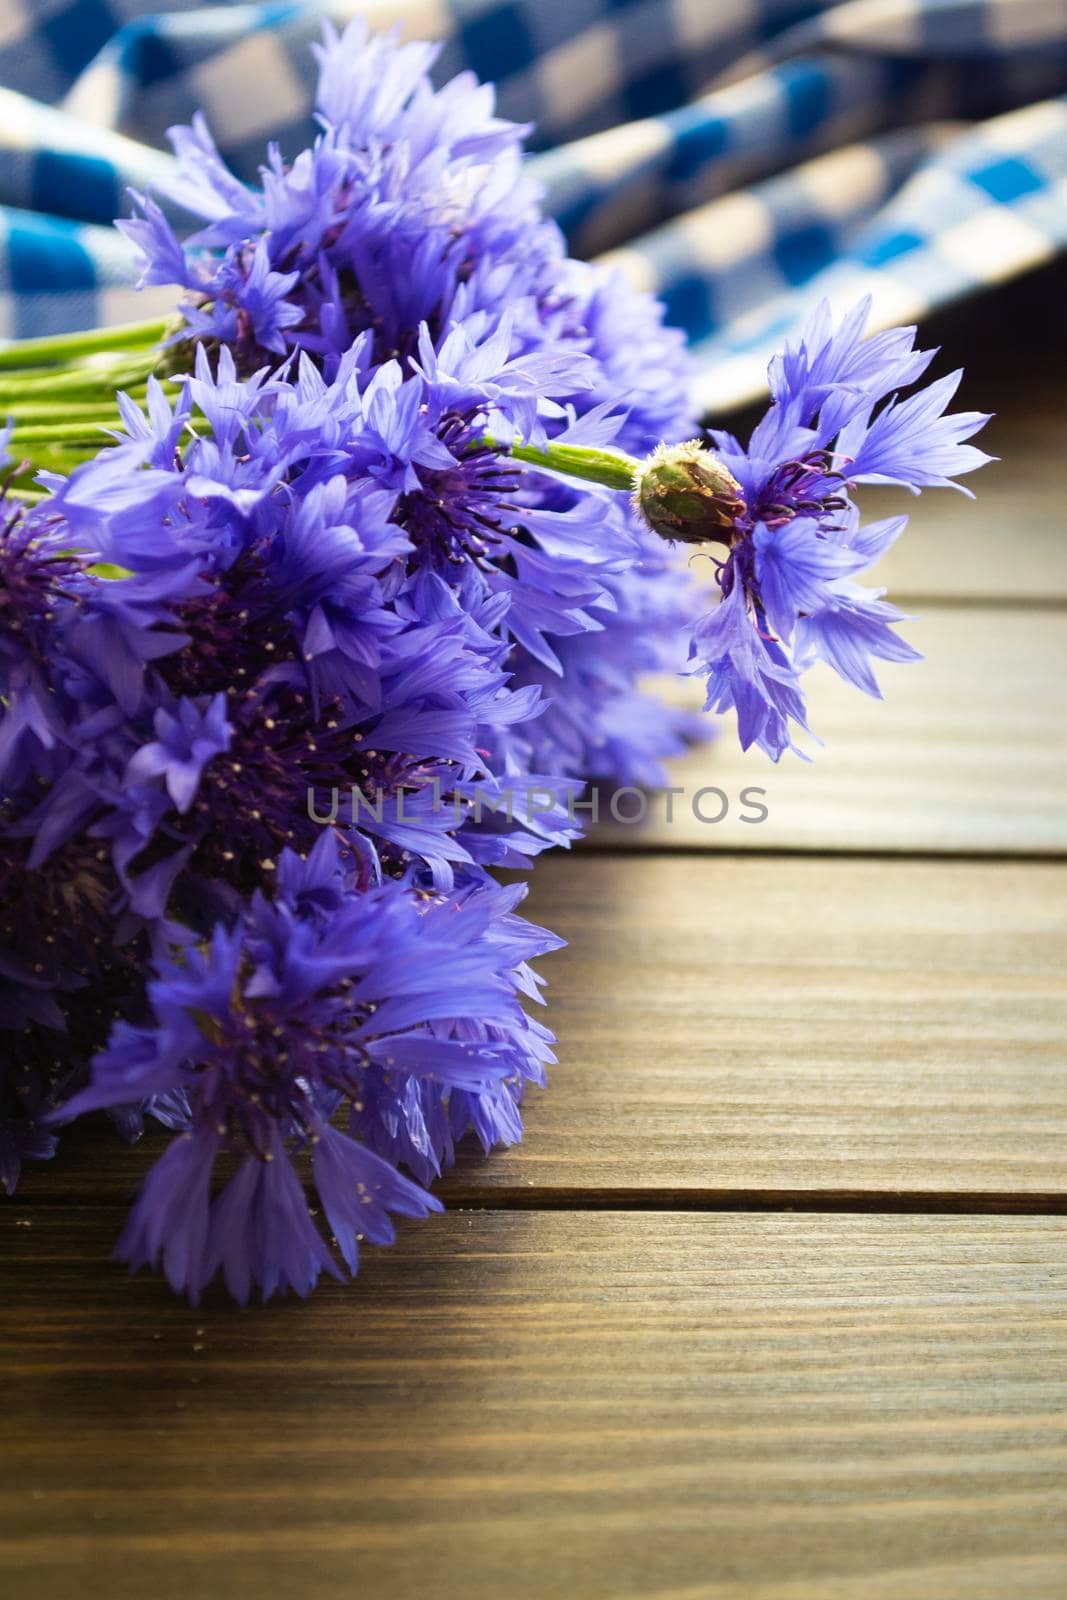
{"x": 771, "y": 1303}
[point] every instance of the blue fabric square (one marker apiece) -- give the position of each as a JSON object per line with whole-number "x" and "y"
{"x": 74, "y": 185}
{"x": 76, "y": 34}
{"x": 47, "y": 260}
{"x": 807, "y": 98}
{"x": 696, "y": 145}
{"x": 497, "y": 43}
{"x": 690, "y": 306}
{"x": 803, "y": 252}
{"x": 650, "y": 93}
{"x": 1007, "y": 180}
{"x": 890, "y": 247}
{"x": 147, "y": 56}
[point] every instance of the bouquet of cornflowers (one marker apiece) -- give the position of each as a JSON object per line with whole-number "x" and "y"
{"x": 358, "y": 597}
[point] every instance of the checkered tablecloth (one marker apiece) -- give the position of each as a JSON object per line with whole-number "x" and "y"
{"x": 740, "y": 158}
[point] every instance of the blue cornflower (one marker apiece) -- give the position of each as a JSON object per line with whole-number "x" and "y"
{"x": 317, "y": 997}
{"x": 783, "y": 508}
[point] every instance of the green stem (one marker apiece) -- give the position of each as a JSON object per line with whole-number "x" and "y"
{"x": 56, "y": 348}
{"x": 59, "y": 433}
{"x": 77, "y": 381}
{"x": 608, "y": 467}
{"x": 59, "y": 410}
{"x": 59, "y": 392}
{"x": 54, "y": 455}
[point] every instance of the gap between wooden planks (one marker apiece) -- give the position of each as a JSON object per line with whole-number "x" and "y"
{"x": 542, "y": 1405}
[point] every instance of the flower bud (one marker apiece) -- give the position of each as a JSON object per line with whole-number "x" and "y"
{"x": 683, "y": 491}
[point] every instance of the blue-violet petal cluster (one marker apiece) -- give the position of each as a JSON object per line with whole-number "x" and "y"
{"x": 784, "y": 508}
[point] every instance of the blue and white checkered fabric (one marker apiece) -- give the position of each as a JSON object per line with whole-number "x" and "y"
{"x": 740, "y": 158}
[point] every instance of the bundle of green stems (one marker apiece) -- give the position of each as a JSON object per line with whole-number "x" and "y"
{"x": 59, "y": 394}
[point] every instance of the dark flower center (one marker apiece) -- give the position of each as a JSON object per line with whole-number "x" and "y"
{"x": 263, "y": 1067}
{"x": 802, "y": 488}
{"x": 461, "y": 513}
{"x": 236, "y": 631}
{"x": 33, "y": 579}
{"x": 57, "y": 921}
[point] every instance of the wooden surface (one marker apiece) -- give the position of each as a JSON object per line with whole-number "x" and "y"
{"x": 771, "y": 1303}
{"x": 533, "y": 1404}
{"x": 966, "y": 754}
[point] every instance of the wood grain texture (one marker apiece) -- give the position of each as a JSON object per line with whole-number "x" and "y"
{"x": 967, "y": 753}
{"x": 534, "y": 1406}
{"x": 734, "y": 1025}
{"x": 747, "y": 1023}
